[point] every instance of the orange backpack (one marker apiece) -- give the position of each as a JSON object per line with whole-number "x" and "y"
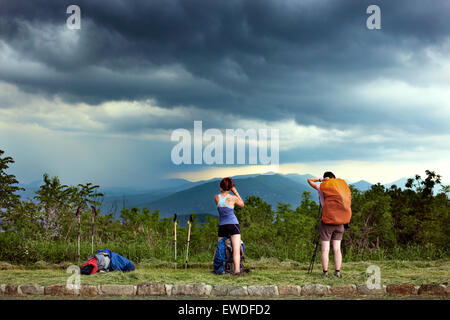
{"x": 337, "y": 208}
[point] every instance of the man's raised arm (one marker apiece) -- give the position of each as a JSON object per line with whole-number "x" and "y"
{"x": 311, "y": 182}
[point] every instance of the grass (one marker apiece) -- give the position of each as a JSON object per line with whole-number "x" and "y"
{"x": 264, "y": 272}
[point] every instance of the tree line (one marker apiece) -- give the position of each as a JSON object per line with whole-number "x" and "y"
{"x": 408, "y": 223}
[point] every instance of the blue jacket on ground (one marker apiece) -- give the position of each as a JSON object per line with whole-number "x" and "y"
{"x": 117, "y": 261}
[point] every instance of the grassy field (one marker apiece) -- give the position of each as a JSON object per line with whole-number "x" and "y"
{"x": 264, "y": 272}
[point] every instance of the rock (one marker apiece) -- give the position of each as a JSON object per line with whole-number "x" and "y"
{"x": 363, "y": 289}
{"x": 43, "y": 264}
{"x": 65, "y": 264}
{"x": 2, "y": 289}
{"x": 59, "y": 290}
{"x": 289, "y": 290}
{"x": 11, "y": 290}
{"x": 169, "y": 289}
{"x": 220, "y": 290}
{"x": 89, "y": 290}
{"x": 404, "y": 289}
{"x": 151, "y": 289}
{"x": 188, "y": 290}
{"x": 237, "y": 291}
{"x": 31, "y": 289}
{"x": 208, "y": 289}
{"x": 432, "y": 289}
{"x": 6, "y": 265}
{"x": 315, "y": 290}
{"x": 265, "y": 291}
{"x": 117, "y": 290}
{"x": 447, "y": 291}
{"x": 343, "y": 290}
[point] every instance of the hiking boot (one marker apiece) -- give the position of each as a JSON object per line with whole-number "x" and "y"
{"x": 337, "y": 274}
{"x": 325, "y": 274}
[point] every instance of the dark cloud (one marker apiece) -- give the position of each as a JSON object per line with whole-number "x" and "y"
{"x": 269, "y": 60}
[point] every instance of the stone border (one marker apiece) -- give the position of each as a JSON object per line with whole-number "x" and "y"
{"x": 202, "y": 290}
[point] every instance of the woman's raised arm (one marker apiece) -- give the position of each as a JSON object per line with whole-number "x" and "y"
{"x": 239, "y": 200}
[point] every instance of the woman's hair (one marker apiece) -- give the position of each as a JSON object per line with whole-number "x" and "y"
{"x": 226, "y": 184}
{"x": 329, "y": 174}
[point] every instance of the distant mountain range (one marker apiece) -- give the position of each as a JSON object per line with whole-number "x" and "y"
{"x": 399, "y": 183}
{"x": 362, "y": 185}
{"x": 197, "y": 197}
{"x": 184, "y": 197}
{"x": 272, "y": 188}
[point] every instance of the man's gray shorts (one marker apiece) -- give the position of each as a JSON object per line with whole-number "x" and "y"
{"x": 330, "y": 231}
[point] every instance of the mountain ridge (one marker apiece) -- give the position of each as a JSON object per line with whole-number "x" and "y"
{"x": 272, "y": 188}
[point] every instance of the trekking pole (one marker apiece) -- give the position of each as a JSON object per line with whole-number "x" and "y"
{"x": 78, "y": 215}
{"x": 175, "y": 237}
{"x": 313, "y": 258}
{"x": 188, "y": 241}
{"x": 94, "y": 213}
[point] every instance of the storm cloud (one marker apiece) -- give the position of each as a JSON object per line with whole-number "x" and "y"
{"x": 309, "y": 64}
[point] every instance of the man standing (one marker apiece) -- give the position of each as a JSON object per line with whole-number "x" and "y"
{"x": 335, "y": 199}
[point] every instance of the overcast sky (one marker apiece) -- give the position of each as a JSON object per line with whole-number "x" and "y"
{"x": 100, "y": 103}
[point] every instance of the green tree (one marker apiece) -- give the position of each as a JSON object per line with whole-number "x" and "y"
{"x": 88, "y": 195}
{"x": 52, "y": 196}
{"x": 416, "y": 216}
{"x": 372, "y": 222}
{"x": 8, "y": 184}
{"x": 424, "y": 187}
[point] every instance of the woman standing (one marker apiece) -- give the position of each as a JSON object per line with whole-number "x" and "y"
{"x": 229, "y": 224}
